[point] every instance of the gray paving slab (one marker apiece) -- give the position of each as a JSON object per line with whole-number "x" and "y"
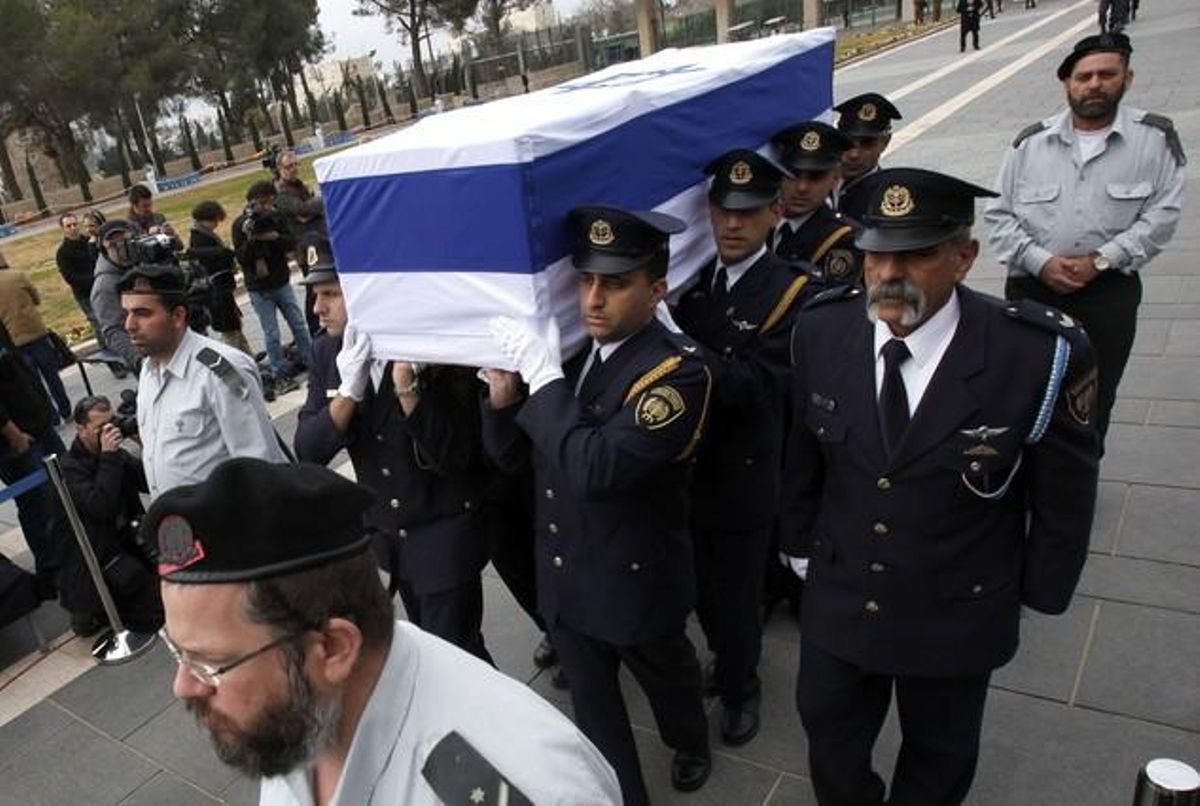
{"x": 165, "y": 788}
{"x": 1131, "y": 410}
{"x": 511, "y": 635}
{"x": 1151, "y": 337}
{"x": 1142, "y": 664}
{"x": 120, "y": 699}
{"x": 1159, "y": 288}
{"x": 177, "y": 743}
{"x": 1051, "y": 649}
{"x": 1152, "y": 455}
{"x": 1110, "y": 505}
{"x": 1040, "y": 752}
{"x": 242, "y": 792}
{"x": 732, "y": 781}
{"x": 1161, "y": 523}
{"x": 792, "y": 791}
{"x": 75, "y": 765}
{"x": 1171, "y": 377}
{"x": 1178, "y": 413}
{"x": 1184, "y": 339}
{"x": 29, "y": 731}
{"x": 1147, "y": 582}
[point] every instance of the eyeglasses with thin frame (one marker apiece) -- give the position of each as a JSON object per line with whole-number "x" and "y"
{"x": 208, "y": 674}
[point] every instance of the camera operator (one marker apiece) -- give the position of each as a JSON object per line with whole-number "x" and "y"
{"x": 304, "y": 214}
{"x": 199, "y": 401}
{"x": 104, "y": 482}
{"x": 207, "y": 248}
{"x": 262, "y": 243}
{"x": 112, "y": 262}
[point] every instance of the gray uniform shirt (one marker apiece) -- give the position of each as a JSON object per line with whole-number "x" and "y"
{"x": 428, "y": 689}
{"x": 1122, "y": 203}
{"x": 191, "y": 420}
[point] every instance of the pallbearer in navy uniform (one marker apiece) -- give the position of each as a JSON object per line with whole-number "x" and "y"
{"x": 810, "y": 231}
{"x": 612, "y": 436}
{"x": 942, "y": 475}
{"x": 740, "y": 312}
{"x": 866, "y": 120}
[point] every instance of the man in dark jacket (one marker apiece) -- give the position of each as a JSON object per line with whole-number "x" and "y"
{"x": 77, "y": 265}
{"x": 304, "y": 214}
{"x": 262, "y": 243}
{"x": 413, "y": 438}
{"x": 104, "y": 482}
{"x": 207, "y": 248}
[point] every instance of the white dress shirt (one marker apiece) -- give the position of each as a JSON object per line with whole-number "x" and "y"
{"x": 605, "y": 350}
{"x": 735, "y": 271}
{"x": 928, "y": 343}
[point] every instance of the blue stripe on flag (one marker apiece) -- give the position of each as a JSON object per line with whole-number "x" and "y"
{"x": 470, "y": 219}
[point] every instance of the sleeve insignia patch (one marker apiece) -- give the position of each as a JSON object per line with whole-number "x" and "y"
{"x": 839, "y": 264}
{"x": 659, "y": 407}
{"x": 1081, "y": 398}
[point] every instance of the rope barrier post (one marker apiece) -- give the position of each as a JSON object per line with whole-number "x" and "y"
{"x": 120, "y": 645}
{"x": 1167, "y": 782}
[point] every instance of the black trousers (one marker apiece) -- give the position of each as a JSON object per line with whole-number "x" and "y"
{"x": 1114, "y": 15}
{"x": 730, "y": 567}
{"x": 843, "y": 708}
{"x": 967, "y": 25}
{"x": 666, "y": 669}
{"x": 1107, "y": 309}
{"x": 509, "y": 526}
{"x": 454, "y": 615}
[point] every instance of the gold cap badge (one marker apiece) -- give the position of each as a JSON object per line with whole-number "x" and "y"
{"x": 601, "y": 233}
{"x": 740, "y": 173}
{"x": 867, "y": 112}
{"x": 811, "y": 141}
{"x": 311, "y": 257}
{"x": 897, "y": 201}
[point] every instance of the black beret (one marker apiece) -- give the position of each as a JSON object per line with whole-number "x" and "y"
{"x": 911, "y": 208}
{"x": 253, "y": 520}
{"x": 316, "y": 259}
{"x": 743, "y": 180}
{"x": 153, "y": 278}
{"x": 866, "y": 115}
{"x": 115, "y": 225}
{"x": 610, "y": 240}
{"x": 1097, "y": 43}
{"x": 811, "y": 146}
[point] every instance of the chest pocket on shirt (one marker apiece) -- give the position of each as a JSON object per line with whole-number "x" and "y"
{"x": 1037, "y": 194}
{"x": 1125, "y": 201}
{"x": 186, "y": 424}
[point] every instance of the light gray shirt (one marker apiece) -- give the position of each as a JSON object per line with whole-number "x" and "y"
{"x": 1123, "y": 202}
{"x": 191, "y": 420}
{"x": 428, "y": 689}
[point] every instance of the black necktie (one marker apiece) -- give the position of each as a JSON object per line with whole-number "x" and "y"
{"x": 589, "y": 386}
{"x": 720, "y": 289}
{"x": 893, "y": 399}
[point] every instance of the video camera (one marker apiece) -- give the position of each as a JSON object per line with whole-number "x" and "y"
{"x": 271, "y": 161}
{"x": 125, "y": 415}
{"x": 164, "y": 250}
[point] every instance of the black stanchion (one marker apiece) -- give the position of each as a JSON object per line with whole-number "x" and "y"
{"x": 1167, "y": 782}
{"x": 120, "y": 645}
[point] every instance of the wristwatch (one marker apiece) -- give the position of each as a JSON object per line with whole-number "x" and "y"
{"x": 1101, "y": 262}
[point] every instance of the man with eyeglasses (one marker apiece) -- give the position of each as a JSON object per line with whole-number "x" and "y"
{"x": 289, "y": 655}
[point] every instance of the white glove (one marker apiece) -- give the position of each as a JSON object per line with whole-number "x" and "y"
{"x": 798, "y": 565}
{"x": 354, "y": 363}
{"x": 535, "y": 355}
{"x": 663, "y": 314}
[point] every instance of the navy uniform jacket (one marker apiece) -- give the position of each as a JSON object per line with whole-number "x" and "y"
{"x": 854, "y": 196}
{"x": 614, "y": 554}
{"x": 746, "y": 344}
{"x": 424, "y": 469}
{"x": 826, "y": 241}
{"x": 920, "y": 562}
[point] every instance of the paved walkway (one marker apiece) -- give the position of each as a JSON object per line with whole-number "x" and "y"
{"x": 1091, "y": 694}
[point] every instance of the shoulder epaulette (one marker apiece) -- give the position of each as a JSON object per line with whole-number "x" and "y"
{"x": 785, "y": 302}
{"x": 1027, "y": 132}
{"x": 224, "y": 370}
{"x": 1043, "y": 317}
{"x": 827, "y": 244}
{"x": 833, "y": 294}
{"x": 1164, "y": 125}
{"x": 664, "y": 368}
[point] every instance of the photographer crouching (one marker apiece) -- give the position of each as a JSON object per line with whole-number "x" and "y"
{"x": 104, "y": 481}
{"x": 262, "y": 242}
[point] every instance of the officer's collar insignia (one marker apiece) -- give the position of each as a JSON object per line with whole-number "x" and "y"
{"x": 688, "y": 348}
{"x": 1081, "y": 398}
{"x": 740, "y": 173}
{"x": 897, "y": 202}
{"x": 983, "y": 433}
{"x": 311, "y": 257}
{"x": 743, "y": 325}
{"x": 178, "y": 547}
{"x": 601, "y": 233}
{"x": 1066, "y": 321}
{"x": 811, "y": 141}
{"x": 867, "y": 112}
{"x": 659, "y": 407}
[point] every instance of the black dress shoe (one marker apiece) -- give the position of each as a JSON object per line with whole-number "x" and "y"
{"x": 545, "y": 655}
{"x": 739, "y": 725}
{"x": 689, "y": 772}
{"x": 559, "y": 681}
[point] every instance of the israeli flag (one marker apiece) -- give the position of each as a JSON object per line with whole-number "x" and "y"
{"x": 462, "y": 217}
